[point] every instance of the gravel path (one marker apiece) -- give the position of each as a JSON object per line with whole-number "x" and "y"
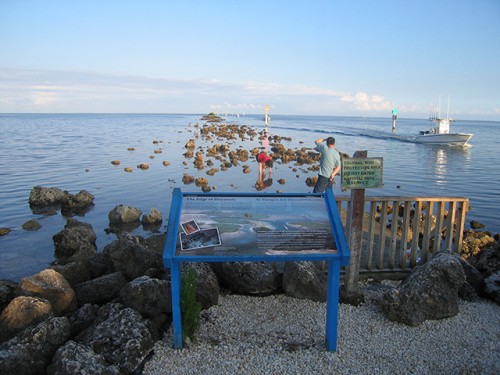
{"x": 283, "y": 335}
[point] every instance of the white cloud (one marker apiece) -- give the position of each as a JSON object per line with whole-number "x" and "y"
{"x": 63, "y": 91}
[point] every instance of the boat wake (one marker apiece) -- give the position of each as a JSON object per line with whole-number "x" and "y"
{"x": 357, "y": 133}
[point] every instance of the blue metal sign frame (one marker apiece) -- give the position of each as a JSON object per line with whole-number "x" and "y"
{"x": 335, "y": 260}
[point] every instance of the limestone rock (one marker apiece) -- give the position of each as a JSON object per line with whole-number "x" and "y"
{"x": 124, "y": 214}
{"x": 207, "y": 285}
{"x": 53, "y": 287}
{"x": 82, "y": 318}
{"x": 7, "y": 292}
{"x": 76, "y": 242}
{"x": 148, "y": 296}
{"x": 304, "y": 280}
{"x": 32, "y": 351}
{"x": 31, "y": 225}
{"x": 23, "y": 312}
{"x": 75, "y": 358}
{"x": 77, "y": 203}
{"x": 474, "y": 242}
{"x": 429, "y": 292}
{"x": 74, "y": 272}
{"x": 41, "y": 196}
{"x": 132, "y": 258}
{"x": 253, "y": 278}
{"x": 487, "y": 261}
{"x": 100, "y": 290}
{"x": 492, "y": 287}
{"x": 154, "y": 217}
{"x": 121, "y": 335}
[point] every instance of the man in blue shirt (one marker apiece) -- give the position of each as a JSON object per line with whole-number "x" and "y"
{"x": 329, "y": 164}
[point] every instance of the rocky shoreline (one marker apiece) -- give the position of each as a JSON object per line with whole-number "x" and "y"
{"x": 111, "y": 310}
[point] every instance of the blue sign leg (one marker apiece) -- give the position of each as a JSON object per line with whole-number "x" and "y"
{"x": 332, "y": 305}
{"x": 175, "y": 276}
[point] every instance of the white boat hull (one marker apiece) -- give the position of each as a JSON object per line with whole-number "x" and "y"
{"x": 444, "y": 139}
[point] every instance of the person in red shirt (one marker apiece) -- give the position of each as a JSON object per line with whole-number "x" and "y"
{"x": 265, "y": 161}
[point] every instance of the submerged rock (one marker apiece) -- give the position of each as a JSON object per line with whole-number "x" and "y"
{"x": 31, "y": 225}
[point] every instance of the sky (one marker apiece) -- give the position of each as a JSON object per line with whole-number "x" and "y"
{"x": 340, "y": 58}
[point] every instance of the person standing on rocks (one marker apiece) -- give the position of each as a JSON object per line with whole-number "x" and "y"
{"x": 329, "y": 164}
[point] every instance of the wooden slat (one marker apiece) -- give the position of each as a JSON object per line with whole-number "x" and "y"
{"x": 452, "y": 206}
{"x": 371, "y": 234}
{"x": 404, "y": 234}
{"x": 427, "y": 232}
{"x": 416, "y": 233}
{"x": 464, "y": 207}
{"x": 439, "y": 228}
{"x": 394, "y": 233}
{"x": 381, "y": 239}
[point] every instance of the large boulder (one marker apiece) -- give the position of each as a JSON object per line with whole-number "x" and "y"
{"x": 31, "y": 352}
{"x": 76, "y": 242}
{"x": 132, "y": 258}
{"x": 207, "y": 285}
{"x": 252, "y": 278}
{"x": 120, "y": 334}
{"x": 75, "y": 358}
{"x": 124, "y": 214}
{"x": 22, "y": 312}
{"x": 101, "y": 290}
{"x": 429, "y": 292}
{"x": 148, "y": 296}
{"x": 53, "y": 287}
{"x": 42, "y": 196}
{"x": 304, "y": 280}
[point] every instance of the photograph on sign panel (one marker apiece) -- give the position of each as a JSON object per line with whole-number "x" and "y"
{"x": 200, "y": 239}
{"x": 190, "y": 227}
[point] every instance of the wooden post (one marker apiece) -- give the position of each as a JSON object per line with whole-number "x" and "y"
{"x": 351, "y": 293}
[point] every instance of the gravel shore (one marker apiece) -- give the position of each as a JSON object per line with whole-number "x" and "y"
{"x": 283, "y": 335}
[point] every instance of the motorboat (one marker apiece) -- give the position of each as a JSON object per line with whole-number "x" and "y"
{"x": 440, "y": 134}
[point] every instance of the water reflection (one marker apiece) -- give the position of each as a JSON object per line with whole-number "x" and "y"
{"x": 446, "y": 163}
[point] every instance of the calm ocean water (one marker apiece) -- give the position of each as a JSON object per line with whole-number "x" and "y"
{"x": 74, "y": 152}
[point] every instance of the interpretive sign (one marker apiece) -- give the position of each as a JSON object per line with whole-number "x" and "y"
{"x": 362, "y": 173}
{"x": 223, "y": 227}
{"x": 255, "y": 225}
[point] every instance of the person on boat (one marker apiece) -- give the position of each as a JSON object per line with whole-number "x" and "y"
{"x": 329, "y": 164}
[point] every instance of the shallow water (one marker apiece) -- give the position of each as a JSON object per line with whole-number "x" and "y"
{"x": 74, "y": 152}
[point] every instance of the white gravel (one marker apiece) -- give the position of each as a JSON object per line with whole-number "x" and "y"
{"x": 283, "y": 335}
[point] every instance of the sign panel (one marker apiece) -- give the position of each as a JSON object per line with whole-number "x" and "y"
{"x": 249, "y": 225}
{"x": 362, "y": 173}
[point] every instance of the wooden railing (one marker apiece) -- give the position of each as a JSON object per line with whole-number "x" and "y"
{"x": 400, "y": 233}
